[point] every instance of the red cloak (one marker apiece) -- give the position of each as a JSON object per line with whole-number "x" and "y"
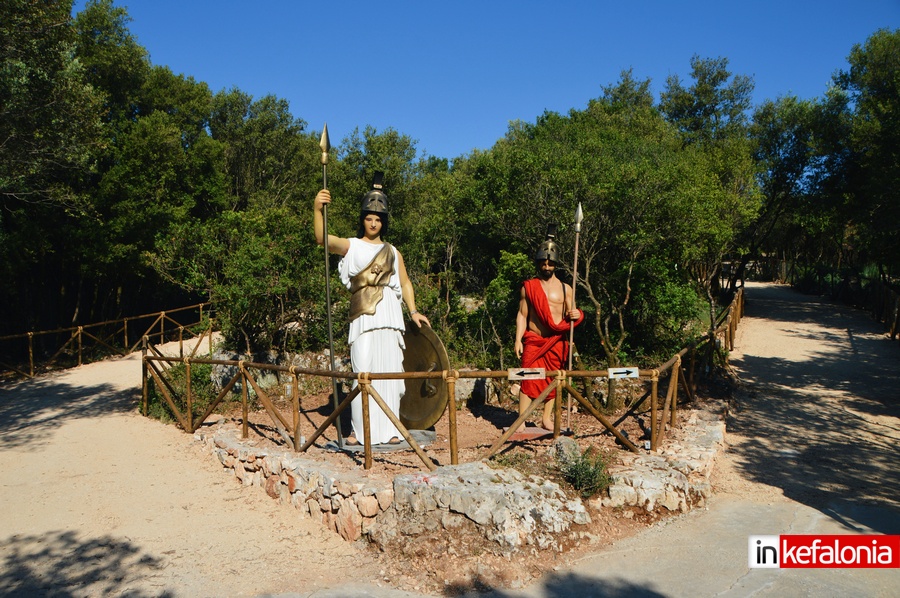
{"x": 548, "y": 352}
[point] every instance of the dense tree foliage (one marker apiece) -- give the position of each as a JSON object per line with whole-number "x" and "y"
{"x": 50, "y": 135}
{"x": 829, "y": 173}
{"x": 49, "y": 124}
{"x": 711, "y": 116}
{"x": 872, "y": 85}
{"x": 125, "y": 185}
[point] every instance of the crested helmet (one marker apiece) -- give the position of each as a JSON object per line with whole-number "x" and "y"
{"x": 548, "y": 250}
{"x": 375, "y": 201}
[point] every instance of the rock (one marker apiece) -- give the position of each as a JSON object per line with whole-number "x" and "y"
{"x": 349, "y": 521}
{"x": 272, "y": 485}
{"x": 565, "y": 450}
{"x": 367, "y": 505}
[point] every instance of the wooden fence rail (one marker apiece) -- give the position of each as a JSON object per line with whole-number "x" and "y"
{"x": 89, "y": 340}
{"x": 885, "y": 307}
{"x": 663, "y": 414}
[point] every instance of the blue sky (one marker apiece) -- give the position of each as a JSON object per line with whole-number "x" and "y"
{"x": 451, "y": 75}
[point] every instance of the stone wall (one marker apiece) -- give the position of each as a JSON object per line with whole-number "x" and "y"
{"x": 504, "y": 507}
{"x": 346, "y": 504}
{"x": 677, "y": 476}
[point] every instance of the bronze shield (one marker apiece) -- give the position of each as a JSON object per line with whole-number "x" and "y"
{"x": 425, "y": 399}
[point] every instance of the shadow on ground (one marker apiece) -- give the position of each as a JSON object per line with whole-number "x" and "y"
{"x": 565, "y": 585}
{"x": 823, "y": 427}
{"x": 63, "y": 564}
{"x": 32, "y": 409}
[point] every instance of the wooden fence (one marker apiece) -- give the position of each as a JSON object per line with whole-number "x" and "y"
{"x": 681, "y": 371}
{"x": 884, "y": 304}
{"x": 45, "y": 350}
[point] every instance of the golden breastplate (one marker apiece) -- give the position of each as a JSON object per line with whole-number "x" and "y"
{"x": 367, "y": 287}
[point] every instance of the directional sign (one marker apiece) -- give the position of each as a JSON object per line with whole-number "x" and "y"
{"x": 623, "y": 373}
{"x": 527, "y": 373}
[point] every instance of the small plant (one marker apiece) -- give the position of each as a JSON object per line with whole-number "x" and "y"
{"x": 512, "y": 460}
{"x": 586, "y": 473}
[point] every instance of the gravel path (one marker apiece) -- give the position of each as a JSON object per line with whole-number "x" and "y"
{"x": 818, "y": 419}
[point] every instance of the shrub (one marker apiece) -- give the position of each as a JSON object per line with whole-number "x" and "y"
{"x": 586, "y": 473}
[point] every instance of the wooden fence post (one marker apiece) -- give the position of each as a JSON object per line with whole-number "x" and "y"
{"x": 31, "y": 354}
{"x": 145, "y": 386}
{"x": 190, "y": 406}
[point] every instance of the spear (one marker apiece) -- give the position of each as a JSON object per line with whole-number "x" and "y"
{"x": 325, "y": 144}
{"x": 578, "y": 218}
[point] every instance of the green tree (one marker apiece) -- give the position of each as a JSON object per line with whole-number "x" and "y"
{"x": 647, "y": 186}
{"x": 263, "y": 145}
{"x": 783, "y": 131}
{"x": 115, "y": 64}
{"x": 49, "y": 117}
{"x": 712, "y": 117}
{"x": 873, "y": 170}
{"x": 251, "y": 266}
{"x": 50, "y": 135}
{"x": 252, "y": 252}
{"x": 714, "y": 107}
{"x": 162, "y": 169}
{"x": 843, "y": 219}
{"x": 501, "y": 306}
{"x": 636, "y": 182}
{"x": 364, "y": 153}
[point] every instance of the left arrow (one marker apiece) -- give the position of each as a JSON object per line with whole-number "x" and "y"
{"x": 526, "y": 374}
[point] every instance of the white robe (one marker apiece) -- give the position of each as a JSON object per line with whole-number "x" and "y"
{"x": 376, "y": 344}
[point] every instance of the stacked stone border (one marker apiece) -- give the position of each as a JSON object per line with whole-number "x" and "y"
{"x": 505, "y": 507}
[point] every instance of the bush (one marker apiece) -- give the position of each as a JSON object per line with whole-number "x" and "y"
{"x": 586, "y": 473}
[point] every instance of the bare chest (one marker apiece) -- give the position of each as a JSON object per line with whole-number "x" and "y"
{"x": 555, "y": 294}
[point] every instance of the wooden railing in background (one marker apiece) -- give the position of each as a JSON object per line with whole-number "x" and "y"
{"x": 65, "y": 347}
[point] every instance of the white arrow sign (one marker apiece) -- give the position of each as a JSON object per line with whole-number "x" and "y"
{"x": 527, "y": 373}
{"x": 623, "y": 373}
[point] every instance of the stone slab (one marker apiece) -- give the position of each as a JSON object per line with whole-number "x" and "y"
{"x": 422, "y": 437}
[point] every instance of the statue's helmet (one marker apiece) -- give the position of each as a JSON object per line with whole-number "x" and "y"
{"x": 548, "y": 250}
{"x": 375, "y": 201}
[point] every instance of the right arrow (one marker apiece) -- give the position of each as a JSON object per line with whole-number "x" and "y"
{"x": 627, "y": 372}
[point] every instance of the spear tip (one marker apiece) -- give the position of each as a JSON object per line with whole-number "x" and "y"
{"x": 325, "y": 144}
{"x": 578, "y": 218}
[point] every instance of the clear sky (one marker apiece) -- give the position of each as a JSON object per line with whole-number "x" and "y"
{"x": 451, "y": 75}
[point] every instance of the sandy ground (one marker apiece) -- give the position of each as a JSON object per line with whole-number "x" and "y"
{"x": 101, "y": 501}
{"x": 816, "y": 418}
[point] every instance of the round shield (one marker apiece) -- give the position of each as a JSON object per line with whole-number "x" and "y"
{"x": 425, "y": 399}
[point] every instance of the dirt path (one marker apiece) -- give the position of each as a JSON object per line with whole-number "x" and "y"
{"x": 101, "y": 501}
{"x": 98, "y": 500}
{"x": 818, "y": 411}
